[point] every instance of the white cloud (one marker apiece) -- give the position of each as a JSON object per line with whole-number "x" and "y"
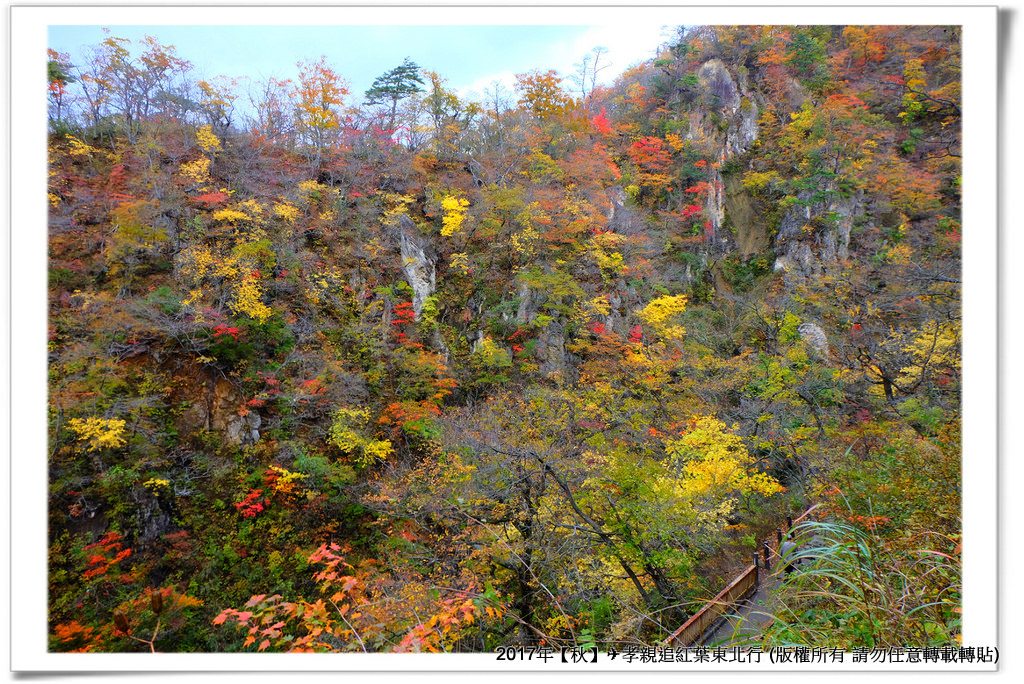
{"x": 626, "y": 45}
{"x": 476, "y": 91}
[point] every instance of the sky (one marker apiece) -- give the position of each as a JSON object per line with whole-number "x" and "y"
{"x": 471, "y": 57}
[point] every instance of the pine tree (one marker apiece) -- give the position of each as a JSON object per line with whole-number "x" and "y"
{"x": 394, "y": 85}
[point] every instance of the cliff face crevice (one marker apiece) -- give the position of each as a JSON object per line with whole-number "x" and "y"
{"x": 419, "y": 265}
{"x": 748, "y": 227}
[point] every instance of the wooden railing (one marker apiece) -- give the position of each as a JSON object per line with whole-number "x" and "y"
{"x": 704, "y": 619}
{"x": 745, "y": 584}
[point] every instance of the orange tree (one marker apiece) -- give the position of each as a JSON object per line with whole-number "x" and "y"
{"x": 317, "y": 97}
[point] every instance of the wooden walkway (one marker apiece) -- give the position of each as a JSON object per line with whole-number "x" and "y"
{"x": 733, "y": 614}
{"x": 746, "y": 620}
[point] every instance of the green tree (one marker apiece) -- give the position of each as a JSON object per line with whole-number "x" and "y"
{"x": 394, "y": 85}
{"x": 807, "y": 56}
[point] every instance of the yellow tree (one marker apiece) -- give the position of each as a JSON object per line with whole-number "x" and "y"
{"x": 662, "y": 315}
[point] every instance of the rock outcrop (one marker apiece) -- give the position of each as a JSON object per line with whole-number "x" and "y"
{"x": 714, "y": 76}
{"x": 815, "y": 338}
{"x": 729, "y": 123}
{"x": 811, "y": 238}
{"x": 224, "y": 413}
{"x": 419, "y": 268}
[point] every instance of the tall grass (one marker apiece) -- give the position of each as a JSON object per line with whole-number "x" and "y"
{"x": 854, "y": 588}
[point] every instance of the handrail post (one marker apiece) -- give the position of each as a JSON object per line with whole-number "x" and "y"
{"x": 712, "y": 610}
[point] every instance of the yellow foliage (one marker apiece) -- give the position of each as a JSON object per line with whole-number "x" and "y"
{"x": 488, "y": 354}
{"x": 375, "y": 450}
{"x": 310, "y": 189}
{"x": 522, "y": 242}
{"x": 195, "y": 261}
{"x": 248, "y": 300}
{"x": 207, "y": 140}
{"x": 252, "y": 208}
{"x": 394, "y": 205}
{"x": 460, "y": 262}
{"x": 899, "y": 255}
{"x": 659, "y": 315}
{"x": 609, "y": 240}
{"x": 598, "y": 306}
{"x": 286, "y": 480}
{"x": 286, "y": 212}
{"x": 193, "y": 296}
{"x": 454, "y": 214}
{"x": 234, "y": 272}
{"x": 541, "y": 168}
{"x": 99, "y": 433}
{"x": 937, "y": 345}
{"x": 77, "y": 148}
{"x": 320, "y": 282}
{"x": 197, "y": 171}
{"x": 715, "y": 462}
{"x": 610, "y": 261}
{"x": 675, "y": 140}
{"x": 344, "y": 434}
{"x": 156, "y": 483}
{"x": 756, "y": 182}
{"x": 710, "y": 519}
{"x": 230, "y": 215}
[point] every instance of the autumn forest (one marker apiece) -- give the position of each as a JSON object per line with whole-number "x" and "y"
{"x": 402, "y": 371}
